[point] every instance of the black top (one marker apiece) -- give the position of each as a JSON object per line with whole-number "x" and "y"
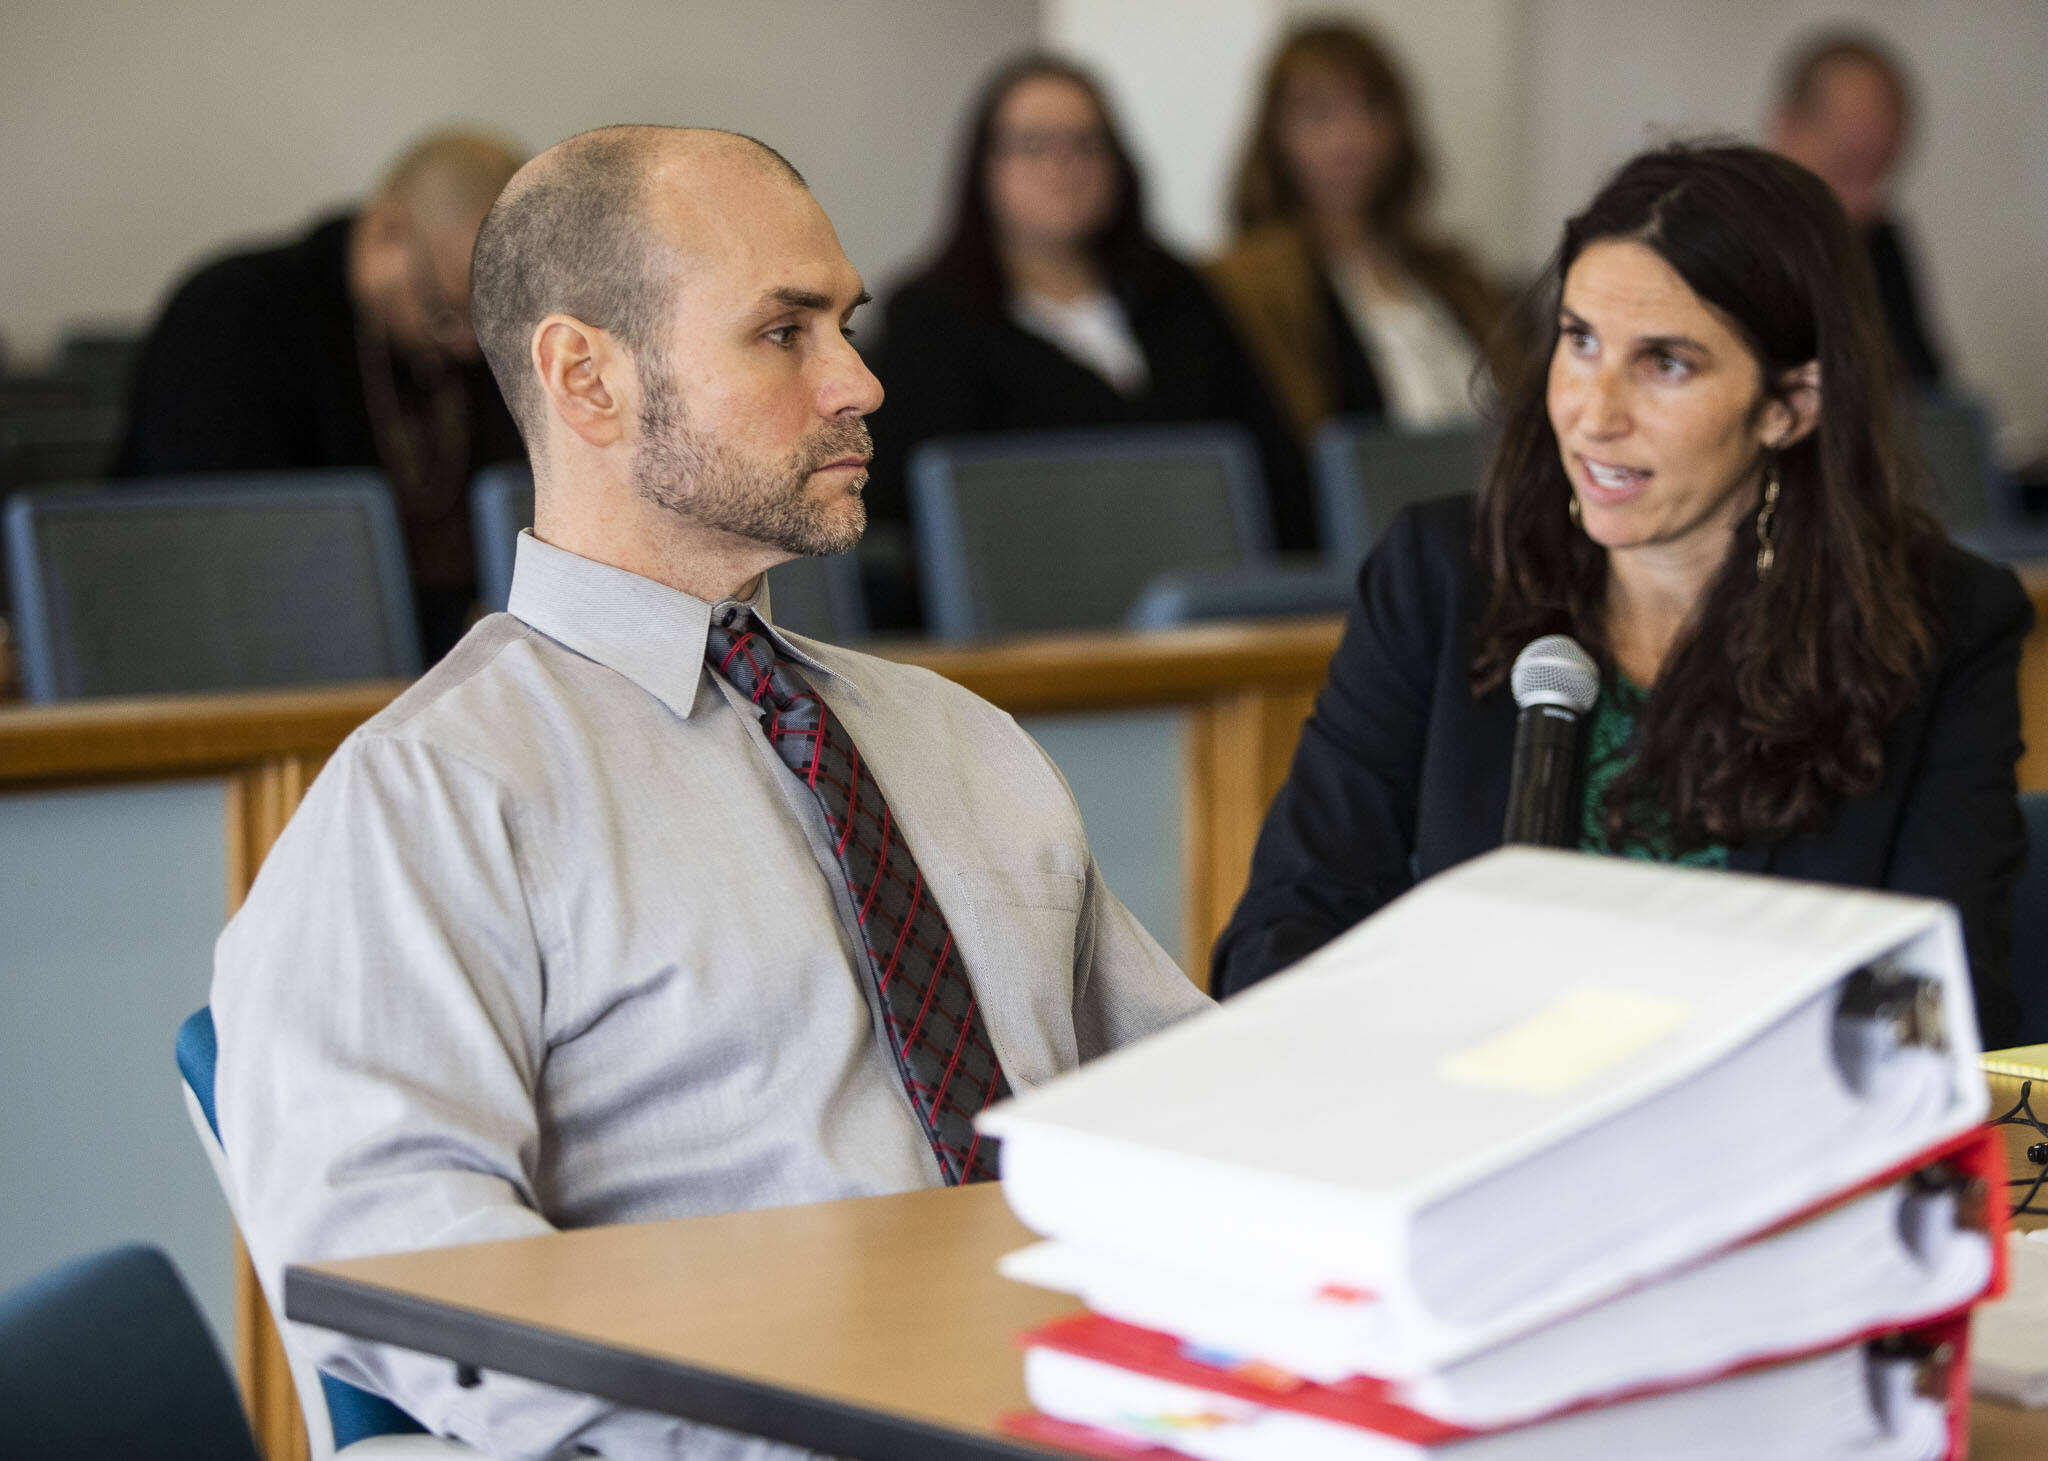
{"x": 1402, "y": 772}
{"x": 952, "y": 364}
{"x": 255, "y": 364}
{"x": 1898, "y": 299}
{"x": 1358, "y": 384}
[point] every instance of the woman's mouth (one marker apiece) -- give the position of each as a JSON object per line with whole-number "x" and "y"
{"x": 1613, "y": 477}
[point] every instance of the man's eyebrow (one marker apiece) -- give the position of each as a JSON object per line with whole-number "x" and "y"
{"x": 791, "y": 297}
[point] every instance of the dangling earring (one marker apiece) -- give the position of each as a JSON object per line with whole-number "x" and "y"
{"x": 1767, "y": 523}
{"x": 1571, "y": 505}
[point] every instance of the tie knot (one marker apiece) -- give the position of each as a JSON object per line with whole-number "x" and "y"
{"x": 739, "y": 650}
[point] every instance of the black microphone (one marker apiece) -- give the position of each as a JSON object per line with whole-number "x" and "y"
{"x": 1555, "y": 682}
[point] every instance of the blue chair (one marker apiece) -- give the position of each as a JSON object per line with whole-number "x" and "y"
{"x": 184, "y": 585}
{"x": 1958, "y": 478}
{"x": 1270, "y": 591}
{"x": 1043, "y": 531}
{"x": 1366, "y": 471}
{"x": 108, "y": 1356}
{"x": 2030, "y": 924}
{"x": 500, "y": 507}
{"x": 819, "y": 597}
{"x": 338, "y": 1414}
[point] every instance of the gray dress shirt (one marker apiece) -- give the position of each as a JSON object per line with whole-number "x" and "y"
{"x": 557, "y": 940}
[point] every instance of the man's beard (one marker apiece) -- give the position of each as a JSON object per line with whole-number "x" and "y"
{"x": 704, "y": 479}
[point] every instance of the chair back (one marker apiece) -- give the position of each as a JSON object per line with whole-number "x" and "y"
{"x": 2030, "y": 924}
{"x": 820, "y": 597}
{"x": 1266, "y": 591}
{"x": 1039, "y": 532}
{"x": 337, "y": 1413}
{"x": 108, "y": 1356}
{"x": 500, "y": 508}
{"x": 100, "y": 360}
{"x": 1366, "y": 471}
{"x": 183, "y": 585}
{"x": 1960, "y": 482}
{"x": 67, "y": 443}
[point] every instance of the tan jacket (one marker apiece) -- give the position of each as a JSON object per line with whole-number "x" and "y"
{"x": 1270, "y": 281}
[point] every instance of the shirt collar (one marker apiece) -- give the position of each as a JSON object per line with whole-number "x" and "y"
{"x": 652, "y": 634}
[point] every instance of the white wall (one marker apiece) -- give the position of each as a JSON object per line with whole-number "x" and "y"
{"x": 141, "y": 136}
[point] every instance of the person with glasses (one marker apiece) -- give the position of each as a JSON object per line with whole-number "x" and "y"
{"x": 1050, "y": 304}
{"x": 350, "y": 346}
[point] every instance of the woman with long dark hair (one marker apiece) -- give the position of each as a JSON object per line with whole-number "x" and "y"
{"x": 1800, "y": 675}
{"x": 1351, "y": 302}
{"x": 1050, "y": 304}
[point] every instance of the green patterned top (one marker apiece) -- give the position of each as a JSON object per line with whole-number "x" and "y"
{"x": 1610, "y": 746}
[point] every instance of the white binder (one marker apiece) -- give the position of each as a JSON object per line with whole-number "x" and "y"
{"x": 1534, "y": 1082}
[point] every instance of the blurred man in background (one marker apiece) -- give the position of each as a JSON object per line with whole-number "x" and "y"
{"x": 1844, "y": 110}
{"x": 348, "y": 347}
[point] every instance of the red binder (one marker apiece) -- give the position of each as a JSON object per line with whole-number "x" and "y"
{"x": 1368, "y": 1402}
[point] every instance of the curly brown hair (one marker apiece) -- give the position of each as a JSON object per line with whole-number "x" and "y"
{"x": 1773, "y": 704}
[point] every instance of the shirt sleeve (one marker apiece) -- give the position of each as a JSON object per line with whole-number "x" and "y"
{"x": 1960, "y": 835}
{"x": 1125, "y": 985}
{"x": 379, "y": 1007}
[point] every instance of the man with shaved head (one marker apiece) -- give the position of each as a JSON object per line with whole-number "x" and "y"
{"x": 349, "y": 347}
{"x": 637, "y": 906}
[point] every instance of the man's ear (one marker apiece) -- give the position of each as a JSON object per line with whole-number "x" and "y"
{"x": 1794, "y": 410}
{"x": 582, "y": 371}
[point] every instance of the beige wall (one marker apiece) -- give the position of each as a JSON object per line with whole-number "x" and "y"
{"x": 136, "y": 137}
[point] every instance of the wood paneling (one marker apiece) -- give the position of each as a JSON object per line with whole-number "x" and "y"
{"x": 260, "y": 800}
{"x": 158, "y": 736}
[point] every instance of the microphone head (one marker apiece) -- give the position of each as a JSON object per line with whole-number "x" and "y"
{"x": 1555, "y": 670}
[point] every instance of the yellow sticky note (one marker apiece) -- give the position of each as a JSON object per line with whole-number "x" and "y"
{"x": 1560, "y": 1048}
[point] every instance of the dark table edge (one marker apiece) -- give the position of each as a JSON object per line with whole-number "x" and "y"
{"x": 641, "y": 1381}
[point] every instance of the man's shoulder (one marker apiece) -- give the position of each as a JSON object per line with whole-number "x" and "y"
{"x": 491, "y": 704}
{"x": 270, "y": 272}
{"x": 895, "y": 683}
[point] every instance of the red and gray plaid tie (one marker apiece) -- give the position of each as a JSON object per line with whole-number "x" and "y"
{"x": 935, "y": 1029}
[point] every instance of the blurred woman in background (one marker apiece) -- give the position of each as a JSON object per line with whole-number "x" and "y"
{"x": 1051, "y": 304}
{"x": 1799, "y": 674}
{"x": 1352, "y": 306}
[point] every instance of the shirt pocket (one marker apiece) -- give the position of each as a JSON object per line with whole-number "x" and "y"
{"x": 1026, "y": 926}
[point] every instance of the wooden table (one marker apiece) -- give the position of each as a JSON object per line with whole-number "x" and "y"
{"x": 874, "y": 1329}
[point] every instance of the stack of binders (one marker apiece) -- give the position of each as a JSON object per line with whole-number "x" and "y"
{"x": 1555, "y": 1157}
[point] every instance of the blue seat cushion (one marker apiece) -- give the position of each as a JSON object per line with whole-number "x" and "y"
{"x": 356, "y": 1414}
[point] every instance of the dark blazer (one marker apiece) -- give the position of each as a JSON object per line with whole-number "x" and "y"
{"x": 951, "y": 364}
{"x": 1897, "y": 276}
{"x": 1401, "y": 767}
